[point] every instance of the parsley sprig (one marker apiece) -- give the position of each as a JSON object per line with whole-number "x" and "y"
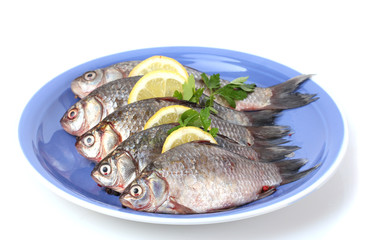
{"x": 196, "y": 119}
{"x": 235, "y": 90}
{"x": 189, "y": 93}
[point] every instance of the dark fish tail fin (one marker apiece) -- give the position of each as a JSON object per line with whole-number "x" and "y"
{"x": 274, "y": 153}
{"x": 262, "y": 117}
{"x": 290, "y": 166}
{"x": 270, "y": 143}
{"x": 289, "y": 170}
{"x": 268, "y": 132}
{"x": 285, "y": 97}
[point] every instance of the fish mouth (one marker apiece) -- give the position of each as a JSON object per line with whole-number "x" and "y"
{"x": 66, "y": 126}
{"x": 63, "y": 124}
{"x": 124, "y": 202}
{"x": 76, "y": 89}
{"x": 94, "y": 177}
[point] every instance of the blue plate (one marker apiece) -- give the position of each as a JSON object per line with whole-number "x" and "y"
{"x": 319, "y": 129}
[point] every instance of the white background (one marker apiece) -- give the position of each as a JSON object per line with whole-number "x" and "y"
{"x": 41, "y": 39}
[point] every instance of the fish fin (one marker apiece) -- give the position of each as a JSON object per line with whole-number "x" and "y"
{"x": 262, "y": 117}
{"x": 291, "y": 166}
{"x": 289, "y": 172}
{"x": 274, "y": 153}
{"x": 109, "y": 191}
{"x": 227, "y": 138}
{"x": 284, "y": 96}
{"x": 270, "y": 143}
{"x": 269, "y": 132}
{"x": 266, "y": 193}
{"x": 178, "y": 102}
{"x": 179, "y": 208}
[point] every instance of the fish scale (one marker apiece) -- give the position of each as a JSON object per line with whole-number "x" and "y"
{"x": 249, "y": 181}
{"x": 261, "y": 98}
{"x": 113, "y": 95}
{"x": 131, "y": 119}
{"x": 103, "y": 101}
{"x": 143, "y": 147}
{"x": 218, "y": 179}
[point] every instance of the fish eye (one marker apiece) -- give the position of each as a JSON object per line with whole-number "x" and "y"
{"x": 72, "y": 113}
{"x": 105, "y": 169}
{"x": 88, "y": 140}
{"x": 136, "y": 191}
{"x": 89, "y": 76}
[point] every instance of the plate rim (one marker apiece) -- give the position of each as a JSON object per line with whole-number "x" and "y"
{"x": 200, "y": 220}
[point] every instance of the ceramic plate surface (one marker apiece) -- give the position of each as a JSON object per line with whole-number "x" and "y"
{"x": 319, "y": 128}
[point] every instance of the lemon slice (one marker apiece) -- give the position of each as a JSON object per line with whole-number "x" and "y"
{"x": 165, "y": 115}
{"x": 185, "y": 135}
{"x": 158, "y": 83}
{"x": 158, "y": 63}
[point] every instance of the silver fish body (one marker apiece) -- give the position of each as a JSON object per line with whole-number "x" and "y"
{"x": 201, "y": 178}
{"x": 281, "y": 96}
{"x": 89, "y": 111}
{"x": 91, "y": 80}
{"x": 104, "y": 100}
{"x": 96, "y": 143}
{"x": 119, "y": 168}
{"x": 132, "y": 156}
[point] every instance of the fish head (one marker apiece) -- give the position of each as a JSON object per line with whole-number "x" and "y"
{"x": 105, "y": 173}
{"x": 116, "y": 171}
{"x": 82, "y": 116}
{"x": 91, "y": 80}
{"x": 146, "y": 193}
{"x": 98, "y": 142}
{"x": 83, "y": 85}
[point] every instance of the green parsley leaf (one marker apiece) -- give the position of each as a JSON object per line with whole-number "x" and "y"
{"x": 190, "y": 118}
{"x": 213, "y": 132}
{"x": 189, "y": 93}
{"x": 239, "y": 81}
{"x": 213, "y": 82}
{"x": 229, "y": 100}
{"x": 196, "y": 96}
{"x": 193, "y": 118}
{"x": 178, "y": 95}
{"x": 188, "y": 88}
{"x": 213, "y": 110}
{"x": 236, "y": 90}
{"x": 205, "y": 78}
{"x": 204, "y": 118}
{"x": 231, "y": 93}
{"x": 248, "y": 87}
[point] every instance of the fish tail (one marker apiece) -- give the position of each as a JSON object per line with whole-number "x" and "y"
{"x": 284, "y": 96}
{"x": 268, "y": 132}
{"x": 262, "y": 117}
{"x": 270, "y": 143}
{"x": 274, "y": 153}
{"x": 289, "y": 170}
{"x": 290, "y": 166}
